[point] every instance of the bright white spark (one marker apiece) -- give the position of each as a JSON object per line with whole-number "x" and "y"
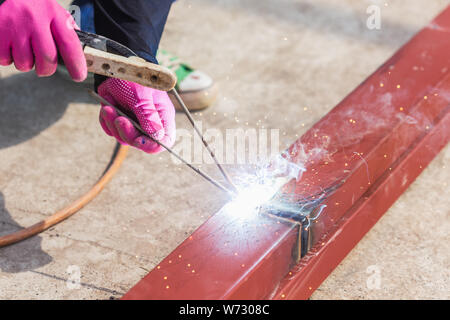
{"x": 253, "y": 196}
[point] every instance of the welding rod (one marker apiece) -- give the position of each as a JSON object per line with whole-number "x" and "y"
{"x": 138, "y": 127}
{"x": 213, "y": 156}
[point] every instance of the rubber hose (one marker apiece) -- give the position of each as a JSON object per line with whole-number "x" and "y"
{"x": 116, "y": 161}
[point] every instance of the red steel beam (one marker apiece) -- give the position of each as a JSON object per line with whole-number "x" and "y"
{"x": 326, "y": 255}
{"x": 359, "y": 158}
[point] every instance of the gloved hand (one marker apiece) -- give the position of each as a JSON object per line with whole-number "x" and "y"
{"x": 33, "y": 31}
{"x": 152, "y": 108}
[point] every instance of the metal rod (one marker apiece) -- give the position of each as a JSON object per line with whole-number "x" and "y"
{"x": 138, "y": 127}
{"x": 213, "y": 156}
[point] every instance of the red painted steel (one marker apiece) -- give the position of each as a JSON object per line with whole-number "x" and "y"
{"x": 223, "y": 252}
{"x": 313, "y": 269}
{"x": 356, "y": 157}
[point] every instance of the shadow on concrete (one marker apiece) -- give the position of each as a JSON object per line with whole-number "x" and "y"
{"x": 83, "y": 284}
{"x": 341, "y": 20}
{"x": 23, "y": 256}
{"x": 28, "y": 107}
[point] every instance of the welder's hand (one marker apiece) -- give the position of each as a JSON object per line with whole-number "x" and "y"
{"x": 152, "y": 109}
{"x": 31, "y": 34}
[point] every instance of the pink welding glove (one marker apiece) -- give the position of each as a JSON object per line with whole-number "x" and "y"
{"x": 33, "y": 31}
{"x": 152, "y": 109}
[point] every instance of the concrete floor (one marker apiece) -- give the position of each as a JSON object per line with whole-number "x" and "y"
{"x": 284, "y": 63}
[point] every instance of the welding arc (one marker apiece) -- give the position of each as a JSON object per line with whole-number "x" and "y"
{"x": 116, "y": 161}
{"x": 138, "y": 127}
{"x": 213, "y": 156}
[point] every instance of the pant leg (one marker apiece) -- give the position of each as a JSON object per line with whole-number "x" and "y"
{"x": 137, "y": 24}
{"x": 87, "y": 15}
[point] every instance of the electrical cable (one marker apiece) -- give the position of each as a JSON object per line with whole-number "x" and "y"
{"x": 117, "y": 159}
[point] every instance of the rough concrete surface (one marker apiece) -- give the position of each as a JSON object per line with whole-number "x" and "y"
{"x": 280, "y": 64}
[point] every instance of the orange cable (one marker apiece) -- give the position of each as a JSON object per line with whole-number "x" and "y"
{"x": 72, "y": 208}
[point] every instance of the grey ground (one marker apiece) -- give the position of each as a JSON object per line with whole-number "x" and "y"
{"x": 272, "y": 59}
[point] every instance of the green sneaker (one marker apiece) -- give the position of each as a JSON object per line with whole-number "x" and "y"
{"x": 195, "y": 87}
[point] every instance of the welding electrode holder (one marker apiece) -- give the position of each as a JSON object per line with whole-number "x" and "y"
{"x": 108, "y": 58}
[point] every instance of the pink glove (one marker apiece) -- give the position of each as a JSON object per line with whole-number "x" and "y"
{"x": 30, "y": 33}
{"x": 152, "y": 108}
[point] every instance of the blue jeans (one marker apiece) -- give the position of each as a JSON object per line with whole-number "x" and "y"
{"x": 87, "y": 15}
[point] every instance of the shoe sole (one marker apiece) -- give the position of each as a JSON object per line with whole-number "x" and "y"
{"x": 196, "y": 100}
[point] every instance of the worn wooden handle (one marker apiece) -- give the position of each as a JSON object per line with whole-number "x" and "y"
{"x": 133, "y": 69}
